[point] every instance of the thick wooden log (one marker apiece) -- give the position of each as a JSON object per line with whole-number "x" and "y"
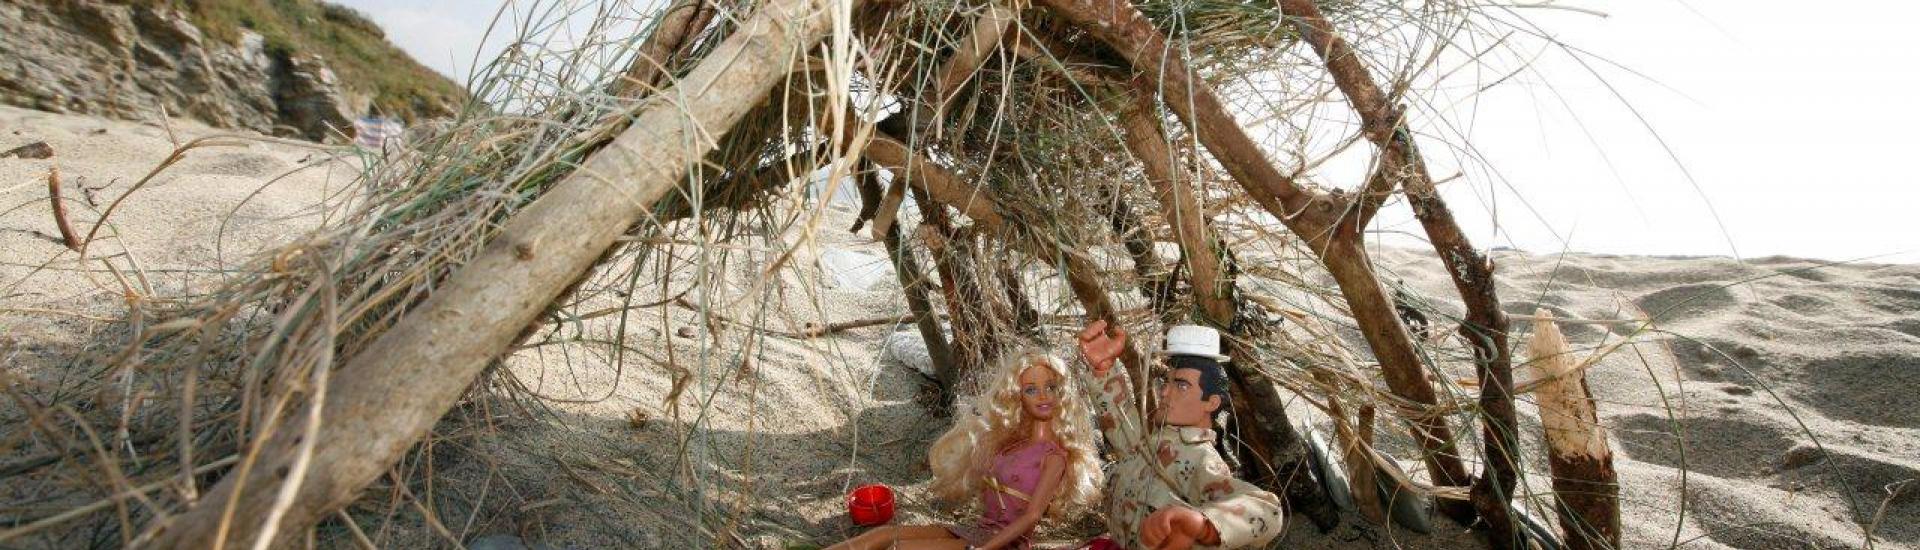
{"x": 1485, "y": 328}
{"x": 389, "y": 395}
{"x": 1584, "y": 482}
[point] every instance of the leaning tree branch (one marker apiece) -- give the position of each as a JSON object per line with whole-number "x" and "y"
{"x": 389, "y": 395}
{"x": 1485, "y": 329}
{"x": 673, "y": 32}
{"x": 1122, "y": 27}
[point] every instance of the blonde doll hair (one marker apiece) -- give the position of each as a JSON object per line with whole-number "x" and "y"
{"x": 991, "y": 420}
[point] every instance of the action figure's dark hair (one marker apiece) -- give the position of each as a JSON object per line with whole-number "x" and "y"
{"x": 1213, "y": 377}
{"x": 1213, "y": 381}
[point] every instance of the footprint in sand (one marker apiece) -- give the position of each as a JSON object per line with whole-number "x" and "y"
{"x": 244, "y": 164}
{"x": 1687, "y": 302}
{"x": 1731, "y": 515}
{"x": 1876, "y": 388}
{"x": 1722, "y": 447}
{"x": 1804, "y": 304}
{"x": 1875, "y": 483}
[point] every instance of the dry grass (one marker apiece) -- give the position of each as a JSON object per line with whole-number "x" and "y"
{"x": 183, "y": 387}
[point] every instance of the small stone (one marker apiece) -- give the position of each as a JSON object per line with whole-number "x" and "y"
{"x": 1799, "y": 456}
{"x": 35, "y": 150}
{"x": 685, "y": 332}
{"x": 907, "y": 349}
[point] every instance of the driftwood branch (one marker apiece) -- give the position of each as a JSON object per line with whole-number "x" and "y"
{"x": 1160, "y": 67}
{"x": 914, "y": 283}
{"x": 1584, "y": 482}
{"x": 1138, "y": 240}
{"x": 1485, "y": 328}
{"x": 390, "y": 394}
{"x": 975, "y": 335}
{"x": 67, "y": 235}
{"x": 988, "y": 30}
{"x": 673, "y": 32}
{"x": 808, "y": 329}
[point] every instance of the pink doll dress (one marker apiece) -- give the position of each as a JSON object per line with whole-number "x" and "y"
{"x": 1009, "y": 485}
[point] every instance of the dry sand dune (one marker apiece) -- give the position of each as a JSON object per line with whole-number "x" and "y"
{"x": 216, "y": 207}
{"x": 1757, "y": 359}
{"x": 1751, "y": 360}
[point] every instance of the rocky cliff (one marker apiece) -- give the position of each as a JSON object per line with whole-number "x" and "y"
{"x": 272, "y": 66}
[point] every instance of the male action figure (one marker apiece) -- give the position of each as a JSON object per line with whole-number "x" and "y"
{"x": 1169, "y": 488}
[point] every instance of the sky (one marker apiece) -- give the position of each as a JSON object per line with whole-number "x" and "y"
{"x": 1686, "y": 127}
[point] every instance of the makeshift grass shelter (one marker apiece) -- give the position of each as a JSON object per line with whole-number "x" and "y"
{"x": 1100, "y": 151}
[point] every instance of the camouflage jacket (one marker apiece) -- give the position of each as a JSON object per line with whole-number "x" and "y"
{"x": 1174, "y": 465}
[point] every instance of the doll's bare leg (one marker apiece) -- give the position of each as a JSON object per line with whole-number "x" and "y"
{"x": 901, "y": 536}
{"x": 931, "y": 544}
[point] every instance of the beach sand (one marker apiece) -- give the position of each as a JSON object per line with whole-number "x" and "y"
{"x": 1713, "y": 418}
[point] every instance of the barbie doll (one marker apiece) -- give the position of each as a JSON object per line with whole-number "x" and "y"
{"x": 1025, "y": 448}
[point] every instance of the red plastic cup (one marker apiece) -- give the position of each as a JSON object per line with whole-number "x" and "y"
{"x": 870, "y": 505}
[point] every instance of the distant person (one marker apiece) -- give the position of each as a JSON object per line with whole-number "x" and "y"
{"x": 1026, "y": 449}
{"x": 1170, "y": 489}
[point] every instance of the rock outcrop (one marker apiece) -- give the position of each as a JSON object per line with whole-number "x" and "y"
{"x": 131, "y": 61}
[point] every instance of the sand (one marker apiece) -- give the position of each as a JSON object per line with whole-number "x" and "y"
{"x": 1753, "y": 360}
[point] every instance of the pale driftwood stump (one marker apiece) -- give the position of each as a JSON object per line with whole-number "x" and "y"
{"x": 1578, "y": 454}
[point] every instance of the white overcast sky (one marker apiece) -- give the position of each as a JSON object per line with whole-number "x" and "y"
{"x": 1793, "y": 120}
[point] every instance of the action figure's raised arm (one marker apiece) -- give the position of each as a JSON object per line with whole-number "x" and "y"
{"x": 1113, "y": 401}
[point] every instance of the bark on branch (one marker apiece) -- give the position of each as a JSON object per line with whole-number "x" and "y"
{"x": 1578, "y": 455}
{"x": 1485, "y": 329}
{"x": 390, "y": 394}
{"x": 1159, "y": 67}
